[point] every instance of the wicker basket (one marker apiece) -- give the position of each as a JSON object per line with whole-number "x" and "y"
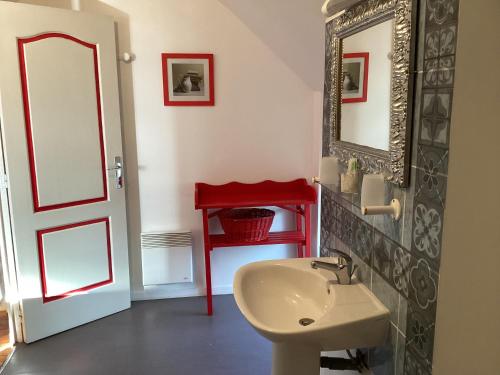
{"x": 247, "y": 224}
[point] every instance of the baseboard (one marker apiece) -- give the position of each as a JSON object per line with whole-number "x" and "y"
{"x": 152, "y": 292}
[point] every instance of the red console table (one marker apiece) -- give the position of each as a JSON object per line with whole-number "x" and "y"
{"x": 295, "y": 196}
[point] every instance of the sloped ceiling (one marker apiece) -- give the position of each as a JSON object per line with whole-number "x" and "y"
{"x": 293, "y": 29}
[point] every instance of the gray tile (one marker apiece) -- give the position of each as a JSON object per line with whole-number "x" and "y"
{"x": 356, "y": 203}
{"x": 328, "y": 223}
{"x": 430, "y": 184}
{"x": 401, "y": 270}
{"x": 427, "y": 231}
{"x": 382, "y": 254}
{"x": 435, "y": 115}
{"x": 346, "y": 221}
{"x": 417, "y": 104}
{"x": 363, "y": 271}
{"x": 434, "y": 132}
{"x": 433, "y": 160}
{"x": 387, "y": 295}
{"x": 446, "y": 71}
{"x": 382, "y": 358}
{"x": 412, "y": 366}
{"x": 420, "y": 332}
{"x": 423, "y": 284}
{"x": 368, "y": 219}
{"x": 344, "y": 199}
{"x": 330, "y": 246}
{"x": 328, "y": 241}
{"x": 400, "y": 354}
{"x": 407, "y": 218}
{"x": 430, "y": 73}
{"x": 440, "y": 12}
{"x": 342, "y": 247}
{"x": 432, "y": 38}
{"x": 421, "y": 36}
{"x": 362, "y": 243}
{"x": 436, "y": 104}
{"x": 440, "y": 45}
{"x": 403, "y": 310}
{"x": 447, "y": 40}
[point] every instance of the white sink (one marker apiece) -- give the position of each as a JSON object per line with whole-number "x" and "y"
{"x": 275, "y": 295}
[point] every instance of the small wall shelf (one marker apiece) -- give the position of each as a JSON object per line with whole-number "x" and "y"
{"x": 294, "y": 196}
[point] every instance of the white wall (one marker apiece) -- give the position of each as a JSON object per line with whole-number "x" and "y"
{"x": 293, "y": 29}
{"x": 368, "y": 122}
{"x": 264, "y": 125}
{"x": 468, "y": 310}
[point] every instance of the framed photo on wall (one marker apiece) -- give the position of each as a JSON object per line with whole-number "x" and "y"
{"x": 355, "y": 77}
{"x": 188, "y": 79}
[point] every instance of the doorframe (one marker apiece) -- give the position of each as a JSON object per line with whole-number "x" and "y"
{"x": 7, "y": 253}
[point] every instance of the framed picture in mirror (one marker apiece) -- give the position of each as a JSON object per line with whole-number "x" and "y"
{"x": 355, "y": 77}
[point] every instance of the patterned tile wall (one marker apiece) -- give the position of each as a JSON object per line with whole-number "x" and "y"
{"x": 399, "y": 261}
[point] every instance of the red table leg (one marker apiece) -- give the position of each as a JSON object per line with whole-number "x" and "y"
{"x": 298, "y": 221}
{"x": 308, "y": 229}
{"x": 208, "y": 271}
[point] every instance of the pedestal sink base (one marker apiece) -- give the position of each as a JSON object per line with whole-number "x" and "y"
{"x": 302, "y": 311}
{"x": 295, "y": 359}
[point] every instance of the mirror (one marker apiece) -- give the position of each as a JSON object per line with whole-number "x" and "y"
{"x": 366, "y": 86}
{"x": 372, "y": 85}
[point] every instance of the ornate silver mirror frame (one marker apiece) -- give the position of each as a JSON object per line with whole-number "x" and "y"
{"x": 394, "y": 163}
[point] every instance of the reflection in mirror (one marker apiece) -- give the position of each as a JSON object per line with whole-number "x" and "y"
{"x": 366, "y": 86}
{"x": 372, "y": 73}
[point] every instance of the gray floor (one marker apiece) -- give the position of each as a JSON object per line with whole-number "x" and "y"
{"x": 171, "y": 337}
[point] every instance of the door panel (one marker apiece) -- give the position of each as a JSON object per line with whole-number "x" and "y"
{"x": 67, "y": 265}
{"x": 66, "y": 148}
{"x": 61, "y": 129}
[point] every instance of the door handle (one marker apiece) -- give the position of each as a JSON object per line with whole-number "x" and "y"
{"x": 118, "y": 168}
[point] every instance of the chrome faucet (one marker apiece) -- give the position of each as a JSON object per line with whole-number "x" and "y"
{"x": 343, "y": 269}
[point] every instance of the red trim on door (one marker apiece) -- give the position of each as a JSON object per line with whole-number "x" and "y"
{"x": 41, "y": 259}
{"x": 166, "y": 95}
{"x": 364, "y": 97}
{"x": 29, "y": 133}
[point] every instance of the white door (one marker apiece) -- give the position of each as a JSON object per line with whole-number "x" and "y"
{"x": 60, "y": 133}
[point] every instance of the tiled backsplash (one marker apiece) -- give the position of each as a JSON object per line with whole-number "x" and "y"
{"x": 399, "y": 261}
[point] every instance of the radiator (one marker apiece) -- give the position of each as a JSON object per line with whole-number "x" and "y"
{"x": 167, "y": 257}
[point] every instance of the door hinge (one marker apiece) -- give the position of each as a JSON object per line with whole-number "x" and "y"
{"x": 4, "y": 182}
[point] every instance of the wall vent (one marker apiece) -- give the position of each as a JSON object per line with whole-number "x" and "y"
{"x": 167, "y": 257}
{"x": 165, "y": 239}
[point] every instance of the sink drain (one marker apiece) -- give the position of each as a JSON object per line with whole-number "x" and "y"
{"x": 306, "y": 321}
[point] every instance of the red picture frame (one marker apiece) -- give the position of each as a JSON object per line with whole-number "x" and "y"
{"x": 185, "y": 75}
{"x": 360, "y": 94}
